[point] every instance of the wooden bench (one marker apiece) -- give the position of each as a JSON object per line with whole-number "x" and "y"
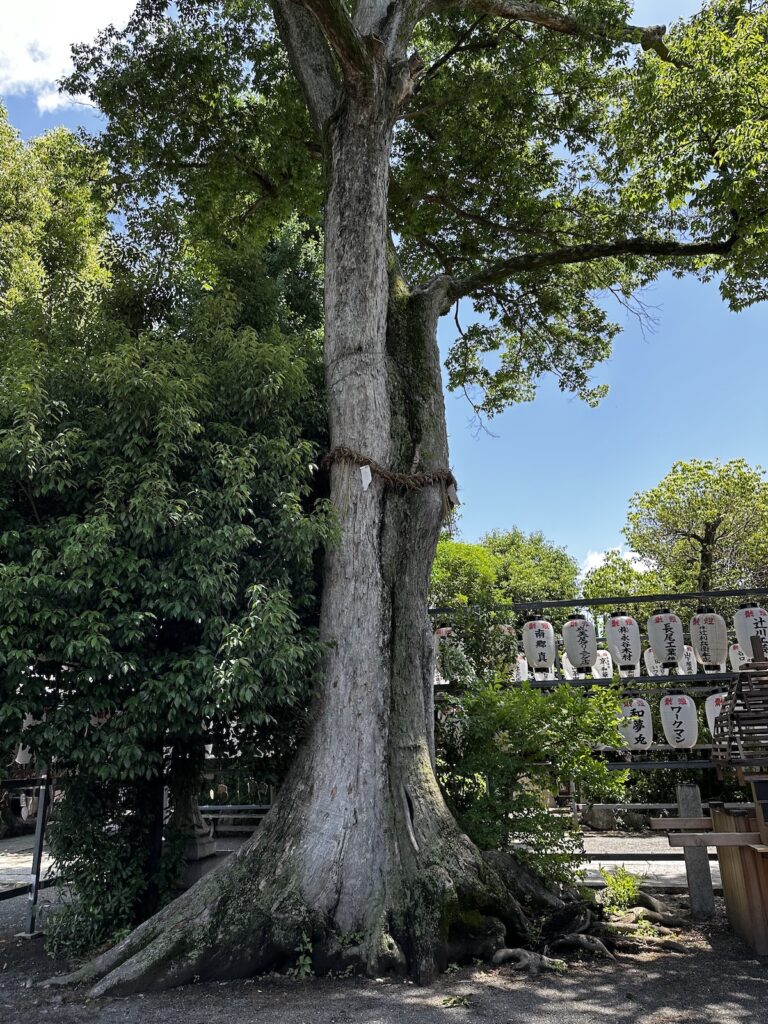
{"x": 231, "y": 818}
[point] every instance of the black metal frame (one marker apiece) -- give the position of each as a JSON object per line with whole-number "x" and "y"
{"x": 599, "y": 602}
{"x": 705, "y": 682}
{"x": 32, "y": 889}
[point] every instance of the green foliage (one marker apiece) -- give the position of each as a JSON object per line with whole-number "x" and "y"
{"x": 453, "y": 1001}
{"x": 618, "y": 576}
{"x": 530, "y": 567}
{"x": 704, "y": 525}
{"x": 516, "y": 141}
{"x": 621, "y": 888}
{"x": 303, "y": 965}
{"x": 506, "y": 567}
{"x": 691, "y": 140}
{"x": 97, "y": 832}
{"x": 463, "y": 574}
{"x": 159, "y": 525}
{"x": 502, "y": 751}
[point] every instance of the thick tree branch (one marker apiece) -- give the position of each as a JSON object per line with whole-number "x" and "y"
{"x": 354, "y": 57}
{"x": 650, "y": 37}
{"x": 311, "y": 59}
{"x": 453, "y": 288}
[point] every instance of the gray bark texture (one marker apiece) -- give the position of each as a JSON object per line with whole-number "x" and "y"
{"x": 360, "y": 859}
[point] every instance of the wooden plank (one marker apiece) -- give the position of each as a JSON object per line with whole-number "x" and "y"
{"x": 730, "y": 873}
{"x": 713, "y": 838}
{"x": 667, "y": 824}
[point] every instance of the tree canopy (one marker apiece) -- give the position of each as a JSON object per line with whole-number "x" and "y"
{"x": 505, "y": 567}
{"x": 540, "y": 162}
{"x": 705, "y": 525}
{"x": 619, "y": 576}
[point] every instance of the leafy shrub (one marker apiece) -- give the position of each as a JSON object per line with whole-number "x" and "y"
{"x": 502, "y": 751}
{"x": 621, "y": 887}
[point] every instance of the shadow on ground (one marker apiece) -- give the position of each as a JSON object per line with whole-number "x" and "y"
{"x": 717, "y": 982}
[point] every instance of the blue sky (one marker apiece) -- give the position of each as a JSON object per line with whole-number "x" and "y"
{"x": 694, "y": 388}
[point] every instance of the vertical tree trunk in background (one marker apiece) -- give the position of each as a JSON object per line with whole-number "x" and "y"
{"x": 150, "y": 802}
{"x": 706, "y": 563}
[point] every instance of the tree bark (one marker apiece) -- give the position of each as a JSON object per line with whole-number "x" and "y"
{"x": 707, "y": 555}
{"x": 360, "y": 858}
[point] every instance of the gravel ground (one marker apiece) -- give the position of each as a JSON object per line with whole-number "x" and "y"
{"x": 717, "y": 982}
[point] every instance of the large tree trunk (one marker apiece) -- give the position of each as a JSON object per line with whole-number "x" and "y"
{"x": 360, "y": 858}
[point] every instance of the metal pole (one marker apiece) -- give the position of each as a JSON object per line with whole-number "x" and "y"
{"x": 37, "y": 852}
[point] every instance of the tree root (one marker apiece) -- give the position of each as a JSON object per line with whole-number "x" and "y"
{"x": 587, "y": 942}
{"x": 525, "y": 959}
{"x": 250, "y": 915}
{"x": 669, "y": 920}
{"x": 644, "y": 944}
{"x": 649, "y": 901}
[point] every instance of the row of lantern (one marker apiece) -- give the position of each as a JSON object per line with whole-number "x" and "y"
{"x": 678, "y": 719}
{"x": 709, "y": 643}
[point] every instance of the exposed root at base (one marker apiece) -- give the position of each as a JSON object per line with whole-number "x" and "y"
{"x": 525, "y": 959}
{"x": 241, "y": 920}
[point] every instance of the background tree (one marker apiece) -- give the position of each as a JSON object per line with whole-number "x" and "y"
{"x": 158, "y": 526}
{"x": 620, "y": 576}
{"x": 705, "y": 525}
{"x": 478, "y": 580}
{"x": 530, "y": 567}
{"x": 520, "y": 158}
{"x": 505, "y": 567}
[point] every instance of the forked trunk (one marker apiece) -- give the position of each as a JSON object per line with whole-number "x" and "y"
{"x": 360, "y": 859}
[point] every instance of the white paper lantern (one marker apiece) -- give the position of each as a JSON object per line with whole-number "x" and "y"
{"x": 736, "y": 657}
{"x": 580, "y": 642}
{"x": 539, "y": 645}
{"x": 622, "y": 634}
{"x": 653, "y": 667}
{"x": 679, "y": 720}
{"x": 603, "y": 667}
{"x": 751, "y": 621}
{"x": 665, "y": 633}
{"x": 713, "y": 705}
{"x": 686, "y": 666}
{"x": 521, "y": 669}
{"x": 635, "y": 723}
{"x": 709, "y": 637}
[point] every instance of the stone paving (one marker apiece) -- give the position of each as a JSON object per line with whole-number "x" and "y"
{"x": 16, "y": 861}
{"x": 662, "y": 872}
{"x": 16, "y": 858}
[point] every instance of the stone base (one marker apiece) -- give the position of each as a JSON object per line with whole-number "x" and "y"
{"x": 199, "y": 847}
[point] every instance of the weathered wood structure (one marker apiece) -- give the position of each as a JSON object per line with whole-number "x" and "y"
{"x": 741, "y": 740}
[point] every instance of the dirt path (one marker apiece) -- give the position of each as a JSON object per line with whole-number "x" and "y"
{"x": 718, "y": 982}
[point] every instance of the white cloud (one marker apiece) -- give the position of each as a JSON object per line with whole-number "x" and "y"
{"x": 594, "y": 559}
{"x": 35, "y": 41}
